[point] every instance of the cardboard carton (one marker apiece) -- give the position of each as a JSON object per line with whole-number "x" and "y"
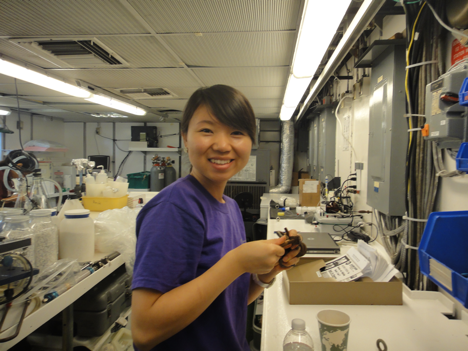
{"x": 309, "y": 192}
{"x": 305, "y": 287}
{"x": 299, "y": 175}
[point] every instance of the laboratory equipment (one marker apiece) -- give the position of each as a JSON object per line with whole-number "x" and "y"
{"x": 38, "y": 196}
{"x": 77, "y": 236}
{"x": 298, "y": 339}
{"x": 446, "y": 118}
{"x": 144, "y": 133}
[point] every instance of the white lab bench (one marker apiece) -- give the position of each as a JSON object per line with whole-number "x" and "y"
{"x": 420, "y": 324}
{"x": 63, "y": 302}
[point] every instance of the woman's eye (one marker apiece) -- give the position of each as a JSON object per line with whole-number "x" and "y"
{"x": 205, "y": 130}
{"x": 237, "y": 132}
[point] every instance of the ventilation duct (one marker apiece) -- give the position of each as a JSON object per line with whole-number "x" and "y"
{"x": 150, "y": 93}
{"x": 286, "y": 160}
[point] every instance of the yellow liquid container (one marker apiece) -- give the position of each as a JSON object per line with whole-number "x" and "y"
{"x": 99, "y": 204}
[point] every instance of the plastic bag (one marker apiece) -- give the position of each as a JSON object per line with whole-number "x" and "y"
{"x": 115, "y": 231}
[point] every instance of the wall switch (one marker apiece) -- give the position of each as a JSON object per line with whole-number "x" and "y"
{"x": 358, "y": 165}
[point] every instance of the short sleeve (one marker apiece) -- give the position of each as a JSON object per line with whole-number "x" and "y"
{"x": 169, "y": 245}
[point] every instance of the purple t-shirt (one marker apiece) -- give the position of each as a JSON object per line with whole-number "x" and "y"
{"x": 181, "y": 233}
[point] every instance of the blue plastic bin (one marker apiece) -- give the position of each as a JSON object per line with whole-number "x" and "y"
{"x": 463, "y": 94}
{"x": 443, "y": 252}
{"x": 462, "y": 158}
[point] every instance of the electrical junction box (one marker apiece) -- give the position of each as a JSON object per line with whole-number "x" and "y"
{"x": 446, "y": 119}
{"x": 388, "y": 133}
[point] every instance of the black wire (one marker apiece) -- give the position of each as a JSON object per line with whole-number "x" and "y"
{"x": 26, "y": 288}
{"x": 122, "y": 163}
{"x": 19, "y": 115}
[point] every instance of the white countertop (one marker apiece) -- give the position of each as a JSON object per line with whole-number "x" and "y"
{"x": 417, "y": 325}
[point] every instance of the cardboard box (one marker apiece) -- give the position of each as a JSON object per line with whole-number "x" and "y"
{"x": 299, "y": 175}
{"x": 309, "y": 192}
{"x": 304, "y": 287}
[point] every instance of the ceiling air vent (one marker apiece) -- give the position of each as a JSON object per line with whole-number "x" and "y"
{"x": 77, "y": 48}
{"x": 150, "y": 93}
{"x": 73, "y": 53}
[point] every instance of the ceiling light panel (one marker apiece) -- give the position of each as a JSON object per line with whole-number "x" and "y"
{"x": 39, "y": 18}
{"x": 142, "y": 78}
{"x": 168, "y": 16}
{"x": 248, "y": 76}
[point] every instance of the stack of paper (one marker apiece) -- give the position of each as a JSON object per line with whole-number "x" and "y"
{"x": 364, "y": 261}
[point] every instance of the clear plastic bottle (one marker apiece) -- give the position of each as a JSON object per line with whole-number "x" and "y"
{"x": 298, "y": 339}
{"x": 17, "y": 227}
{"x": 45, "y": 236}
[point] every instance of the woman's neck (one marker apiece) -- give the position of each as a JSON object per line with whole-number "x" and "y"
{"x": 215, "y": 189}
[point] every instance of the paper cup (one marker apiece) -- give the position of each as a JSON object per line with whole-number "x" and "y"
{"x": 334, "y": 330}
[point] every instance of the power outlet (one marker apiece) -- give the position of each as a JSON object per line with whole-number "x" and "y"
{"x": 98, "y": 130}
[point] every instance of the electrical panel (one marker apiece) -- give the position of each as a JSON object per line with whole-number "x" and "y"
{"x": 326, "y": 148}
{"x": 322, "y": 136}
{"x": 446, "y": 121}
{"x": 313, "y": 168}
{"x": 388, "y": 133}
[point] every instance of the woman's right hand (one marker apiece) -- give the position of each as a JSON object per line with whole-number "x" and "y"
{"x": 259, "y": 256}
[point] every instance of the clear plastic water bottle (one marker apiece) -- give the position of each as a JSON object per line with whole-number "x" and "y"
{"x": 298, "y": 339}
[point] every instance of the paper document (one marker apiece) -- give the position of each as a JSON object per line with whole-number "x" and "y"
{"x": 364, "y": 261}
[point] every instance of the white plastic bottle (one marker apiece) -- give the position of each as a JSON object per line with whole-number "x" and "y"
{"x": 77, "y": 236}
{"x": 298, "y": 339}
{"x": 101, "y": 178}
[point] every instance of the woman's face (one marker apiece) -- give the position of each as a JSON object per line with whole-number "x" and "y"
{"x": 216, "y": 151}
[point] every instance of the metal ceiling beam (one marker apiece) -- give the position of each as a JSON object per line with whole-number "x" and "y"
{"x": 363, "y": 17}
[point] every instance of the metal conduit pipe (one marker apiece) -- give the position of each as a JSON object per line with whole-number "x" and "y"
{"x": 286, "y": 159}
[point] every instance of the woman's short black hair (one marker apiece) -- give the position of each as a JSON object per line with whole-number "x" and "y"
{"x": 227, "y": 104}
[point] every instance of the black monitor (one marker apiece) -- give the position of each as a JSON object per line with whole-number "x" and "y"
{"x": 101, "y": 160}
{"x": 148, "y": 134}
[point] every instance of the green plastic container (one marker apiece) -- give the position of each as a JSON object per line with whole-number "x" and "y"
{"x": 140, "y": 180}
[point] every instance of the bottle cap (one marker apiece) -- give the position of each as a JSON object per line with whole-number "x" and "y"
{"x": 78, "y": 213}
{"x": 298, "y": 324}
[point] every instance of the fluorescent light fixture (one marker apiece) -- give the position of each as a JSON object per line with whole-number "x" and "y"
{"x": 116, "y": 104}
{"x": 295, "y": 89}
{"x": 108, "y": 115}
{"x": 4, "y": 111}
{"x": 319, "y": 23}
{"x": 318, "y": 27}
{"x": 30, "y": 76}
{"x": 286, "y": 112}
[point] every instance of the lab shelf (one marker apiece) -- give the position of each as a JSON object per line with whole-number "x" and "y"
{"x": 154, "y": 149}
{"x": 46, "y": 312}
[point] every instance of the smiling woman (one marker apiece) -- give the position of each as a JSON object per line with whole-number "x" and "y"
{"x": 194, "y": 273}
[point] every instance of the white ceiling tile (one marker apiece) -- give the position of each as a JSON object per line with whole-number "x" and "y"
{"x": 245, "y": 76}
{"x": 66, "y": 17}
{"x": 235, "y": 49}
{"x": 141, "y": 51}
{"x": 169, "y": 16}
